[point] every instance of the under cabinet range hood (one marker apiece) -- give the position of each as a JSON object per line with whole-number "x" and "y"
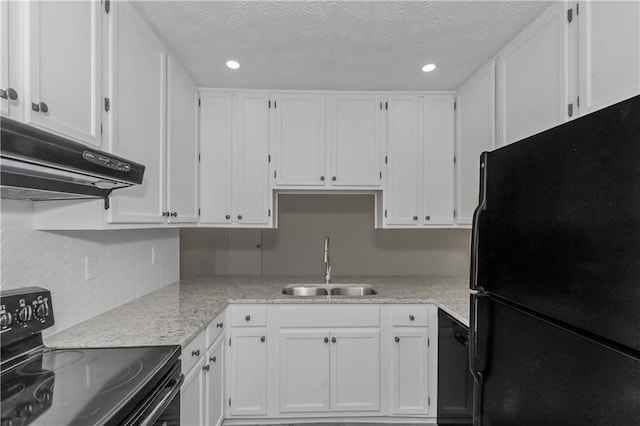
{"x": 37, "y": 165}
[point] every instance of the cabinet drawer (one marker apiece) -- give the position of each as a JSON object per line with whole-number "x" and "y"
{"x": 410, "y": 315}
{"x": 330, "y": 316}
{"x": 248, "y": 316}
{"x": 192, "y": 352}
{"x": 214, "y": 329}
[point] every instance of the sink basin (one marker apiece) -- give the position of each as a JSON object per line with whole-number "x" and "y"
{"x": 353, "y": 290}
{"x": 304, "y": 290}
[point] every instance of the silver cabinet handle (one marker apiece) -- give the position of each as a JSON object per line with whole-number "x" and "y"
{"x": 41, "y": 107}
{"x": 415, "y": 218}
{"x": 326, "y": 340}
{"x": 397, "y": 339}
{"x": 247, "y": 318}
{"x": 240, "y": 216}
{"x": 321, "y": 177}
{"x": 262, "y": 339}
{"x": 333, "y": 340}
{"x": 411, "y": 317}
{"x": 227, "y": 217}
{"x": 8, "y": 93}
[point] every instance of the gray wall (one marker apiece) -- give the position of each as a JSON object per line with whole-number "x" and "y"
{"x": 295, "y": 248}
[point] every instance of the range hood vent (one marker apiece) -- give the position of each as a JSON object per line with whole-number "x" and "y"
{"x": 37, "y": 165}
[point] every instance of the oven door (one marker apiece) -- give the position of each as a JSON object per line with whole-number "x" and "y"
{"x": 162, "y": 406}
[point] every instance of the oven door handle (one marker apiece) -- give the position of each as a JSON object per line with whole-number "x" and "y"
{"x": 164, "y": 402}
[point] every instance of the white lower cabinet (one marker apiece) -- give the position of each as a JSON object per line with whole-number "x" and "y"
{"x": 214, "y": 383}
{"x": 298, "y": 361}
{"x": 355, "y": 370}
{"x": 192, "y": 393}
{"x": 409, "y": 371}
{"x": 248, "y": 361}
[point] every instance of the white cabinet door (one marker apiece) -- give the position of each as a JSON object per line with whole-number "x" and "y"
{"x": 137, "y": 80}
{"x": 65, "y": 83}
{"x": 214, "y": 384}
{"x": 304, "y": 371}
{"x": 248, "y": 372}
{"x": 182, "y": 144}
{"x": 532, "y": 75}
{"x": 215, "y": 164}
{"x": 404, "y": 139}
{"x": 4, "y": 56}
{"x": 409, "y": 371}
{"x": 476, "y": 134}
{"x": 252, "y": 159}
{"x": 355, "y": 370}
{"x": 609, "y": 52}
{"x": 438, "y": 167}
{"x": 192, "y": 396}
{"x": 356, "y": 154}
{"x": 299, "y": 139}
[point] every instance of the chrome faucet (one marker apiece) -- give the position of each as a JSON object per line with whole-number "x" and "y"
{"x": 325, "y": 259}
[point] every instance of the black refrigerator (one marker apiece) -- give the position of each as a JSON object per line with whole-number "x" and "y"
{"x": 555, "y": 274}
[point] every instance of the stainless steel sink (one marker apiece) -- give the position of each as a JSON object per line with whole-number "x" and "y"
{"x": 304, "y": 290}
{"x": 353, "y": 290}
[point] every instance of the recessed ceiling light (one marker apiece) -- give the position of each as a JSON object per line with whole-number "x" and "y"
{"x": 429, "y": 68}
{"x": 234, "y": 65}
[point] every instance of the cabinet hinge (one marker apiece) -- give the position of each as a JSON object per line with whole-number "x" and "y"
{"x": 269, "y": 212}
{"x": 428, "y": 342}
{"x": 100, "y": 128}
{"x": 107, "y": 104}
{"x": 229, "y": 402}
{"x": 380, "y": 175}
{"x": 386, "y": 105}
{"x": 455, "y": 106}
{"x": 428, "y": 400}
{"x": 106, "y": 203}
{"x": 269, "y": 104}
{"x": 578, "y": 101}
{"x": 199, "y": 102}
{"x": 199, "y": 158}
{"x": 269, "y": 158}
{"x": 570, "y": 15}
{"x": 570, "y": 110}
{"x": 229, "y": 341}
{"x": 385, "y": 213}
{"x": 454, "y": 213}
{"x": 380, "y": 105}
{"x": 454, "y": 159}
{"x": 275, "y": 174}
{"x": 107, "y": 6}
{"x": 386, "y": 160}
{"x": 577, "y": 8}
{"x": 198, "y": 212}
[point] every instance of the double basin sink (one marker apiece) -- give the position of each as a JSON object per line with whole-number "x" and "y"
{"x": 329, "y": 290}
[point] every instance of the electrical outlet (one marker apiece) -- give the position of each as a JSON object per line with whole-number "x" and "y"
{"x": 90, "y": 268}
{"x": 154, "y": 256}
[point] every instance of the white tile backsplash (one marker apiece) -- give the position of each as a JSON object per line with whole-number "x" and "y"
{"x": 56, "y": 260}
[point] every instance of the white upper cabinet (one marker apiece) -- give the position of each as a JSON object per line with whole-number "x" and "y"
{"x": 5, "y": 86}
{"x": 215, "y": 162}
{"x": 298, "y": 139}
{"x": 182, "y": 145}
{"x": 438, "y": 167}
{"x": 234, "y": 139}
{"x": 252, "y": 159}
{"x": 404, "y": 141}
{"x": 609, "y": 38}
{"x": 356, "y": 140}
{"x": 533, "y": 79}
{"x": 475, "y": 134}
{"x": 137, "y": 132}
{"x": 65, "y": 68}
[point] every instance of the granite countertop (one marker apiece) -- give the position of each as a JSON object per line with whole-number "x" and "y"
{"x": 175, "y": 314}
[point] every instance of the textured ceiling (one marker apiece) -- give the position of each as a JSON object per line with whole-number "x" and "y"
{"x": 345, "y": 45}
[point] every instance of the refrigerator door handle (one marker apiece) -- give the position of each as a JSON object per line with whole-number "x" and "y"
{"x": 475, "y": 233}
{"x": 473, "y": 364}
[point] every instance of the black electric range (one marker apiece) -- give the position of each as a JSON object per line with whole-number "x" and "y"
{"x": 79, "y": 386}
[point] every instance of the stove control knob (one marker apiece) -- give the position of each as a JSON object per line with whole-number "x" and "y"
{"x": 26, "y": 410}
{"x": 42, "y": 311}
{"x": 25, "y": 314}
{"x": 6, "y": 319}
